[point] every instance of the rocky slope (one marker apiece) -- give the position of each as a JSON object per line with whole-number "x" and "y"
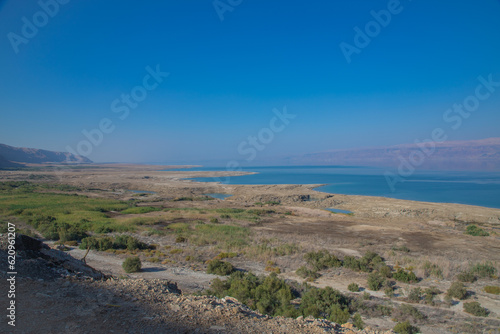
{"x": 61, "y": 294}
{"x": 9, "y": 155}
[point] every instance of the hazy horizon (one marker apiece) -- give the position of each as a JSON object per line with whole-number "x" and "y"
{"x": 251, "y": 82}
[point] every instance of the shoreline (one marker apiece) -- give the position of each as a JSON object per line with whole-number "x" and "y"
{"x": 317, "y": 186}
{"x": 172, "y": 184}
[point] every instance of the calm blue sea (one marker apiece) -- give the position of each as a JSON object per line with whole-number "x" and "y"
{"x": 474, "y": 188}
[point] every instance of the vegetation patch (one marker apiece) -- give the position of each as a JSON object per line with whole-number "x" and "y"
{"x": 140, "y": 210}
{"x": 457, "y": 290}
{"x": 476, "y": 231}
{"x": 405, "y": 276}
{"x": 132, "y": 264}
{"x": 321, "y": 260}
{"x": 476, "y": 309}
{"x": 492, "y": 289}
{"x": 105, "y": 243}
{"x": 483, "y": 269}
{"x": 367, "y": 263}
{"x": 406, "y": 327}
{"x": 218, "y": 267}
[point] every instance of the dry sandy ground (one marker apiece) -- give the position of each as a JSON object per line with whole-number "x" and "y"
{"x": 432, "y": 231}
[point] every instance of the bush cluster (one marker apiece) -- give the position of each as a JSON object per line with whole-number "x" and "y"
{"x": 105, "y": 243}
{"x": 405, "y": 276}
{"x": 52, "y": 229}
{"x": 321, "y": 260}
{"x": 367, "y": 263}
{"x": 272, "y": 295}
{"x": 476, "y": 231}
{"x": 218, "y": 267}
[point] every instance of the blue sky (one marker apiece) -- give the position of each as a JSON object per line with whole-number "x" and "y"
{"x": 226, "y": 76}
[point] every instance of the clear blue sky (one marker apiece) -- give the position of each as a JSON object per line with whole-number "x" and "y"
{"x": 226, "y": 76}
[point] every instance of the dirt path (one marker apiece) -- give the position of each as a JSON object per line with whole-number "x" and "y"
{"x": 187, "y": 279}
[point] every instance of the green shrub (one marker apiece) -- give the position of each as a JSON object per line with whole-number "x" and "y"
{"x": 457, "y": 290}
{"x": 180, "y": 239}
{"x": 415, "y": 295}
{"x": 226, "y": 255}
{"x": 385, "y": 270}
{"x": 403, "y": 248}
{"x": 353, "y": 287}
{"x": 339, "y": 315}
{"x": 218, "y": 267}
{"x": 357, "y": 321}
{"x": 466, "y": 276}
{"x": 476, "y": 309}
{"x": 132, "y": 264}
{"x": 319, "y": 303}
{"x": 405, "y": 276}
{"x": 476, "y": 231}
{"x": 407, "y": 312}
{"x": 214, "y": 220}
{"x": 375, "y": 281}
{"x": 492, "y": 289}
{"x": 483, "y": 269}
{"x": 304, "y": 272}
{"x": 430, "y": 293}
{"x": 389, "y": 291}
{"x": 321, "y": 260}
{"x": 367, "y": 263}
{"x": 406, "y": 328}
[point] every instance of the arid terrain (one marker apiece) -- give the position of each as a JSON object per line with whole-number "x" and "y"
{"x": 277, "y": 226}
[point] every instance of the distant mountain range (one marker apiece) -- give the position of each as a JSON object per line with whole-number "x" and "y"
{"x": 11, "y": 157}
{"x": 481, "y": 154}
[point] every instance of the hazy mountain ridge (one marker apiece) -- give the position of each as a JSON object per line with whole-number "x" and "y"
{"x": 473, "y": 154}
{"x": 11, "y": 156}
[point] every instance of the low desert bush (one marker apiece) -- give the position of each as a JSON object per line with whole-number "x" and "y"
{"x": 415, "y": 295}
{"x": 367, "y": 263}
{"x": 321, "y": 260}
{"x": 476, "y": 231}
{"x": 132, "y": 264}
{"x": 353, "y": 287}
{"x": 457, "y": 290}
{"x": 375, "y": 281}
{"x": 218, "y": 267}
{"x": 405, "y": 276}
{"x": 492, "y": 289}
{"x": 357, "y": 321}
{"x": 406, "y": 327}
{"x": 476, "y": 309}
{"x": 407, "y": 312}
{"x": 466, "y": 276}
{"x": 304, "y": 272}
{"x": 483, "y": 269}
